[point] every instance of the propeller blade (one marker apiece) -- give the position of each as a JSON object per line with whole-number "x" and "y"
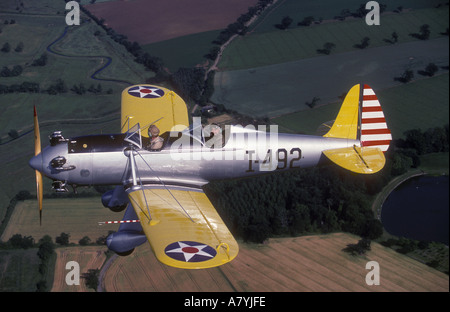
{"x": 37, "y": 151}
{"x": 39, "y": 189}
{"x": 37, "y": 135}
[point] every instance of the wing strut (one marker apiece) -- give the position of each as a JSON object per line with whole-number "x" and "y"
{"x": 164, "y": 185}
{"x": 130, "y": 153}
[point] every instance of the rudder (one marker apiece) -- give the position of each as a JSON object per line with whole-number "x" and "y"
{"x": 374, "y": 130}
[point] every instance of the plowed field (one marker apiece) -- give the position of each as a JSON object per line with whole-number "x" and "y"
{"x": 312, "y": 263}
{"x": 91, "y": 257}
{"x": 147, "y": 21}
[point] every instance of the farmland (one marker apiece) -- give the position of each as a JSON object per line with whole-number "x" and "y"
{"x": 73, "y": 56}
{"x": 422, "y": 104}
{"x": 78, "y": 218}
{"x": 287, "y": 64}
{"x": 91, "y": 257}
{"x": 155, "y": 21}
{"x": 19, "y": 270}
{"x": 281, "y": 46}
{"x": 310, "y": 263}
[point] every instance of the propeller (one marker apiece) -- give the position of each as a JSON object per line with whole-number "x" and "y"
{"x": 37, "y": 151}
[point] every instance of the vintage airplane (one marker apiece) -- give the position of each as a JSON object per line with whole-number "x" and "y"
{"x": 162, "y": 188}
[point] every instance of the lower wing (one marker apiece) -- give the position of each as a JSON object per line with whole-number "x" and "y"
{"x": 183, "y": 227}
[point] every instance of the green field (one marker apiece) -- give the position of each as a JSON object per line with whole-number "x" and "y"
{"x": 421, "y": 104}
{"x": 78, "y": 217}
{"x": 327, "y": 9}
{"x": 278, "y": 46}
{"x": 81, "y": 51}
{"x": 186, "y": 51}
{"x": 19, "y": 270}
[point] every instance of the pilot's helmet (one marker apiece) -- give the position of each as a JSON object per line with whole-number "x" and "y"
{"x": 153, "y": 131}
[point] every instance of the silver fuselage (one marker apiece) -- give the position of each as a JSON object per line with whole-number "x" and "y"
{"x": 186, "y": 161}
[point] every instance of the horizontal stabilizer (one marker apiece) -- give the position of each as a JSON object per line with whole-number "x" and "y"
{"x": 366, "y": 160}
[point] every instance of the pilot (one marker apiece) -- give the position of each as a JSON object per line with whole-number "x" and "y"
{"x": 156, "y": 142}
{"x": 216, "y": 136}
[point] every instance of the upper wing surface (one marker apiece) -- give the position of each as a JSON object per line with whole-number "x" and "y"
{"x": 148, "y": 104}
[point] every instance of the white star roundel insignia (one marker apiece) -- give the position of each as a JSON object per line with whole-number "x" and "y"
{"x": 146, "y": 92}
{"x": 190, "y": 251}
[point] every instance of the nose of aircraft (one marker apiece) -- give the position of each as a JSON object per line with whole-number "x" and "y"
{"x": 36, "y": 162}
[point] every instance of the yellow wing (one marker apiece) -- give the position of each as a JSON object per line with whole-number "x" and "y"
{"x": 183, "y": 228}
{"x": 147, "y": 104}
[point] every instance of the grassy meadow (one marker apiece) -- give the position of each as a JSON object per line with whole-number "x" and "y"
{"x": 19, "y": 270}
{"x": 74, "y": 58}
{"x": 421, "y": 104}
{"x": 326, "y": 10}
{"x": 280, "y": 46}
{"x": 186, "y": 51}
{"x": 78, "y": 218}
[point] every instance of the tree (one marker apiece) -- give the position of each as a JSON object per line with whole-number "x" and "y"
{"x": 5, "y": 72}
{"x": 394, "y": 37}
{"x": 327, "y": 47}
{"x": 19, "y": 47}
{"x": 91, "y": 278}
{"x": 46, "y": 248}
{"x": 313, "y": 103}
{"x": 416, "y": 140}
{"x": 364, "y": 43}
{"x": 17, "y": 241}
{"x": 285, "y": 23}
{"x": 360, "y": 248}
{"x": 400, "y": 164}
{"x": 425, "y": 32}
{"x": 63, "y": 239}
{"x": 84, "y": 241}
{"x": 41, "y": 61}
{"x": 431, "y": 69}
{"x": 306, "y": 21}
{"x": 406, "y": 77}
{"x": 6, "y": 48}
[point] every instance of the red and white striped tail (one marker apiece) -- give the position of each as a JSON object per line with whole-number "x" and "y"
{"x": 374, "y": 130}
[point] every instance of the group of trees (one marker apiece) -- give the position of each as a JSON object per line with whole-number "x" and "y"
{"x": 45, "y": 251}
{"x": 17, "y": 70}
{"x": 239, "y": 26}
{"x": 311, "y": 200}
{"x": 7, "y": 72}
{"x": 317, "y": 200}
{"x": 58, "y": 87}
{"x": 430, "y": 70}
{"x": 361, "y": 12}
{"x": 6, "y": 48}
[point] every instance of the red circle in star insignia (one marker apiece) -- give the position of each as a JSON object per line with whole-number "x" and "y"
{"x": 190, "y": 249}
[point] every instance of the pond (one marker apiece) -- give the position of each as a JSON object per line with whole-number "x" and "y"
{"x": 419, "y": 209}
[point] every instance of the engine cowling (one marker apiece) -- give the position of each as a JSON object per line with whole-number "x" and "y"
{"x": 124, "y": 242}
{"x": 116, "y": 199}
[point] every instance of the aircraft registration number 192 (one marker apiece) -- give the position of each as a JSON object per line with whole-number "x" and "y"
{"x": 282, "y": 156}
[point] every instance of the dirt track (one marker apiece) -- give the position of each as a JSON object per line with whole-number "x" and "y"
{"x": 154, "y": 21}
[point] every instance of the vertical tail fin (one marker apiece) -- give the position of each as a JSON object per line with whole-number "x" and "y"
{"x": 347, "y": 121}
{"x": 374, "y": 130}
{"x": 360, "y": 119}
